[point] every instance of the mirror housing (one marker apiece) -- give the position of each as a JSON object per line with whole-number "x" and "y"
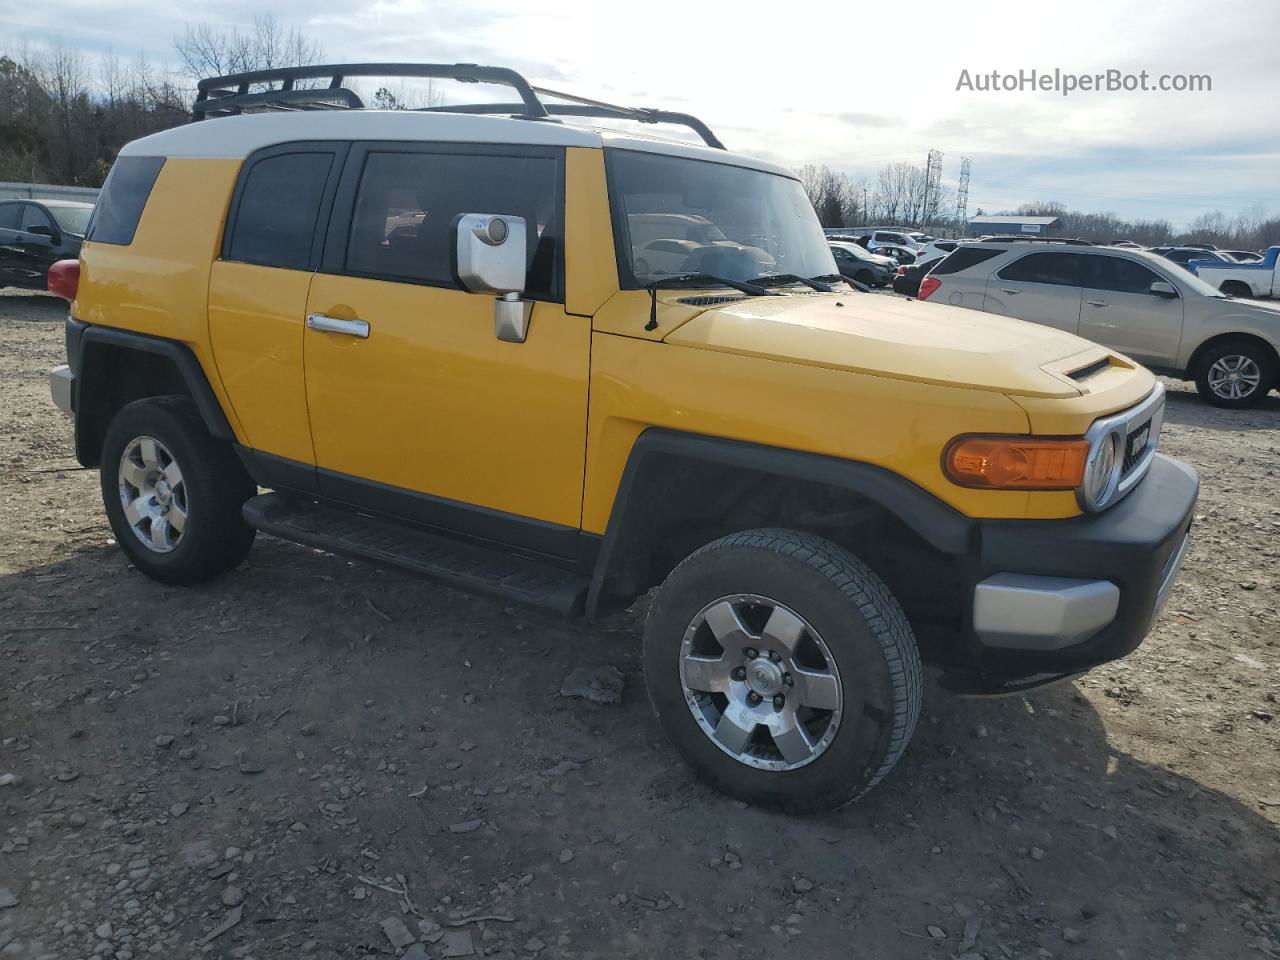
{"x": 1162, "y": 288}
{"x": 491, "y": 252}
{"x": 40, "y": 231}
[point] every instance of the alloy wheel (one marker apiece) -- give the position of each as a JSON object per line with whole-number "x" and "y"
{"x": 1234, "y": 376}
{"x": 760, "y": 682}
{"x": 153, "y": 494}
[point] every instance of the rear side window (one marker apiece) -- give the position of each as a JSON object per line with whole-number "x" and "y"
{"x": 962, "y": 258}
{"x": 1062, "y": 269}
{"x": 10, "y": 215}
{"x": 1119, "y": 274}
{"x": 406, "y": 204}
{"x": 124, "y": 195}
{"x": 275, "y": 219}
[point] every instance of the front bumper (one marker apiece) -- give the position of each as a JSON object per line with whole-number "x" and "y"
{"x": 62, "y": 388}
{"x": 1052, "y": 597}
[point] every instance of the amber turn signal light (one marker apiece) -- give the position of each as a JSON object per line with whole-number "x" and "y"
{"x": 1016, "y": 463}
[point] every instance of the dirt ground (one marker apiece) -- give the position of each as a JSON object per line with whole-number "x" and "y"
{"x": 276, "y": 764}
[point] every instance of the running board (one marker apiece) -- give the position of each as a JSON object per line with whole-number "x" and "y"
{"x": 467, "y": 567}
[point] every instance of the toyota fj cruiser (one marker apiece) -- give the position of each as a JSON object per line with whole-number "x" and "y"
{"x": 430, "y": 337}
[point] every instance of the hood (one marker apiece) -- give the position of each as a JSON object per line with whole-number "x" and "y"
{"x": 905, "y": 340}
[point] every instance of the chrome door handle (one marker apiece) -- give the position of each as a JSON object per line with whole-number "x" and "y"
{"x": 327, "y": 324}
{"x": 1096, "y": 303}
{"x": 1012, "y": 293}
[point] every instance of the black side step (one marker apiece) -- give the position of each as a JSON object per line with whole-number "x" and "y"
{"x": 467, "y": 567}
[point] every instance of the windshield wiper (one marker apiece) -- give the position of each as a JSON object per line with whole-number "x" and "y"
{"x": 685, "y": 279}
{"x": 777, "y": 279}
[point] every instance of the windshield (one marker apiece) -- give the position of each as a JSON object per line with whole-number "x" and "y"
{"x": 72, "y": 219}
{"x": 675, "y": 216}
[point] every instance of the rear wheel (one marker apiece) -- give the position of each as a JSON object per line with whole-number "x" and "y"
{"x": 1235, "y": 374}
{"x": 1236, "y": 288}
{"x": 865, "y": 277}
{"x": 173, "y": 493}
{"x": 782, "y": 669}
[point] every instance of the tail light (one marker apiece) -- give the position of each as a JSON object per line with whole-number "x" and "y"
{"x": 902, "y": 270}
{"x": 64, "y": 279}
{"x": 927, "y": 287}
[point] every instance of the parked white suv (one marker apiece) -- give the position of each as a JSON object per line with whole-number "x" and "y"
{"x": 1134, "y": 302}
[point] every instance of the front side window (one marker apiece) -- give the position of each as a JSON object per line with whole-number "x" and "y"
{"x": 33, "y": 216}
{"x": 1119, "y": 274}
{"x": 402, "y": 228}
{"x": 275, "y": 221}
{"x": 123, "y": 197}
{"x": 1062, "y": 269}
{"x": 734, "y": 222}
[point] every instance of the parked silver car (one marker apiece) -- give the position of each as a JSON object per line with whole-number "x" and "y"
{"x": 1131, "y": 301}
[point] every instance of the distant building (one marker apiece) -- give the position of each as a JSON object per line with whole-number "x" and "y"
{"x": 998, "y": 224}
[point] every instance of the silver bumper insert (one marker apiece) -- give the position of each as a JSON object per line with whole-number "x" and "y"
{"x": 1026, "y": 612}
{"x": 60, "y": 384}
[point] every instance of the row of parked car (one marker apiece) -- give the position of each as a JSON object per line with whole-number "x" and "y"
{"x": 1182, "y": 321}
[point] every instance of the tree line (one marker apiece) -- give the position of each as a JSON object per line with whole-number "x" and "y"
{"x": 900, "y": 195}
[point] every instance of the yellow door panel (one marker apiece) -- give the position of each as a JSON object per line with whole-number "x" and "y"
{"x": 256, "y": 319}
{"x": 433, "y": 402}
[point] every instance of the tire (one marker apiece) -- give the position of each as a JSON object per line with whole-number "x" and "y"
{"x": 209, "y": 488}
{"x": 1252, "y": 363}
{"x": 867, "y": 699}
{"x": 865, "y": 277}
{"x": 1236, "y": 288}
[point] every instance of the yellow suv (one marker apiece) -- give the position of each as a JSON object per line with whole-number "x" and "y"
{"x": 436, "y": 339}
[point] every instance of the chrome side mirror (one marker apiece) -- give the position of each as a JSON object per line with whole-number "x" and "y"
{"x": 1162, "y": 288}
{"x": 491, "y": 256}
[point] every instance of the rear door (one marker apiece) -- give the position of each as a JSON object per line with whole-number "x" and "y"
{"x": 1043, "y": 286}
{"x": 1121, "y": 312}
{"x": 258, "y": 299}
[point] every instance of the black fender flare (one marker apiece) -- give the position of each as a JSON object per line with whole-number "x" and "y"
{"x": 87, "y": 360}
{"x": 942, "y": 526}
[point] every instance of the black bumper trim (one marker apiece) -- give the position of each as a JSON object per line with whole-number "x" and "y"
{"x": 1131, "y": 544}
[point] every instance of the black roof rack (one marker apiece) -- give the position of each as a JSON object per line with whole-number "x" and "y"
{"x": 229, "y": 95}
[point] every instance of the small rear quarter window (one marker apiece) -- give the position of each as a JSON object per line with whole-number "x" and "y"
{"x": 124, "y": 195}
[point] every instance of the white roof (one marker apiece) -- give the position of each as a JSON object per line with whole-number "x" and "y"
{"x": 237, "y": 137}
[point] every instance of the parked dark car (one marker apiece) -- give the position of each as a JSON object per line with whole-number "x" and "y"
{"x": 1183, "y": 255}
{"x": 858, "y": 264}
{"x": 36, "y": 233}
{"x": 907, "y": 281}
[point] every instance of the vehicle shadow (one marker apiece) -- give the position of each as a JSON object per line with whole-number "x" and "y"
{"x": 1021, "y": 813}
{"x": 1183, "y": 405}
{"x": 22, "y": 304}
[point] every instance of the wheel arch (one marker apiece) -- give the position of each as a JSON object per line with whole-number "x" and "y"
{"x": 114, "y": 367}
{"x": 682, "y": 490}
{"x": 1197, "y": 355}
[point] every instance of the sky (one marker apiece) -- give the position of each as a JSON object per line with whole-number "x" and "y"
{"x": 854, "y": 86}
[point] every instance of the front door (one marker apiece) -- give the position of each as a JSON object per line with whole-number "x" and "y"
{"x": 1043, "y": 287}
{"x": 417, "y": 408}
{"x": 1121, "y": 312}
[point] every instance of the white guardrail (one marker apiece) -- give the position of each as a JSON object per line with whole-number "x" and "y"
{"x": 46, "y": 191}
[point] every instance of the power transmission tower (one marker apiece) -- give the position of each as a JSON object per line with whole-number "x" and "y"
{"x": 962, "y": 198}
{"x": 932, "y": 187}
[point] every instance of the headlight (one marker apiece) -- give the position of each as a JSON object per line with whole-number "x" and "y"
{"x": 1100, "y": 471}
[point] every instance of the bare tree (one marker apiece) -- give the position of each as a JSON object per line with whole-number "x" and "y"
{"x": 209, "y": 51}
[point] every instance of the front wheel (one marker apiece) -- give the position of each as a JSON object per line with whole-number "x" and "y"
{"x": 1235, "y": 374}
{"x": 173, "y": 493}
{"x": 782, "y": 669}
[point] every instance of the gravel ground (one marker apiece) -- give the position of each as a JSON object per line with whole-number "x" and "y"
{"x": 315, "y": 757}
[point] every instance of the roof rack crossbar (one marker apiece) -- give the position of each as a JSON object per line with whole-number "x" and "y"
{"x": 223, "y": 96}
{"x": 337, "y": 74}
{"x": 223, "y": 102}
{"x": 603, "y": 112}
